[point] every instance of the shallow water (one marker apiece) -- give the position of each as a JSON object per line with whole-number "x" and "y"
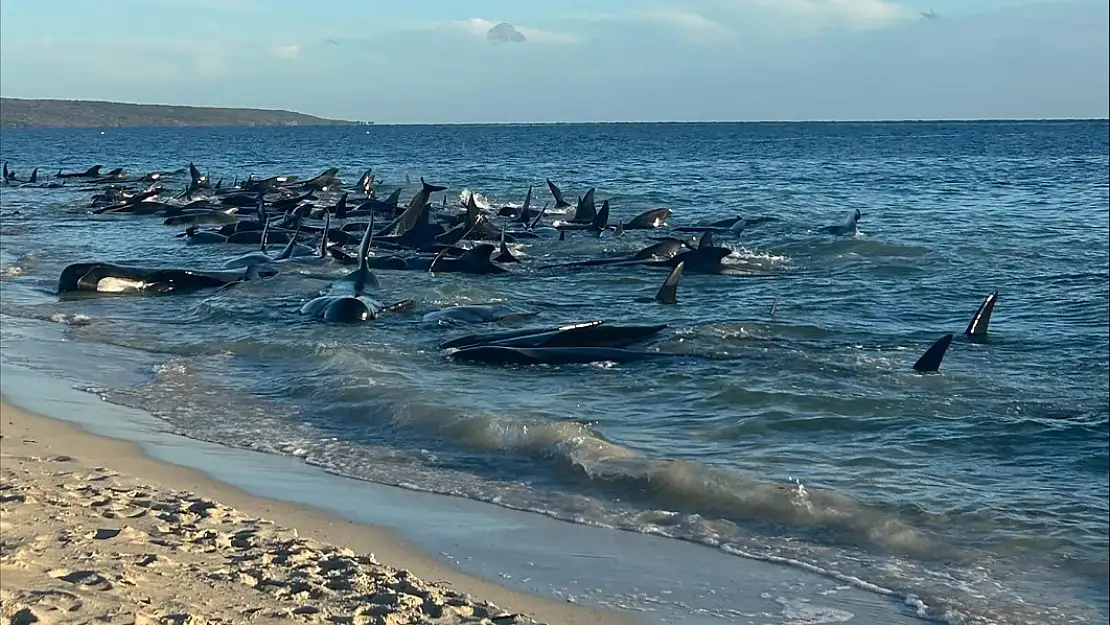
{"x": 980, "y": 492}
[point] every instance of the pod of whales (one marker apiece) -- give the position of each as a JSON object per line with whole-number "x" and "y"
{"x": 423, "y": 234}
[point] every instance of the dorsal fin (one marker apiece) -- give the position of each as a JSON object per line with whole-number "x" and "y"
{"x": 601, "y": 219}
{"x": 539, "y": 216}
{"x": 265, "y": 234}
{"x": 34, "y": 175}
{"x": 619, "y": 230}
{"x": 505, "y": 256}
{"x": 93, "y": 171}
{"x": 557, "y": 194}
{"x": 341, "y": 207}
{"x": 472, "y": 213}
{"x": 364, "y": 245}
{"x": 523, "y": 218}
{"x": 981, "y": 320}
{"x": 931, "y": 359}
{"x": 435, "y": 261}
{"x": 324, "y": 236}
{"x": 288, "y": 251}
{"x": 585, "y": 211}
{"x": 706, "y": 240}
{"x": 668, "y": 293}
{"x": 393, "y": 197}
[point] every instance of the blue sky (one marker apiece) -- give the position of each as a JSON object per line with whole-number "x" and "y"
{"x": 424, "y": 61}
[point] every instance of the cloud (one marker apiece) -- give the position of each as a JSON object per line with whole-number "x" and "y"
{"x": 289, "y": 51}
{"x": 692, "y": 24}
{"x": 505, "y": 32}
{"x": 856, "y": 14}
{"x": 483, "y": 29}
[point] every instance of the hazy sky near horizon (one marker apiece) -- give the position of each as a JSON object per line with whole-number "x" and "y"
{"x": 570, "y": 60}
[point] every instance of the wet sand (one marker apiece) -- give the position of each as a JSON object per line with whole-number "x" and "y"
{"x": 94, "y": 530}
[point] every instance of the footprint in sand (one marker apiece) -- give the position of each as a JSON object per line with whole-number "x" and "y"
{"x": 103, "y": 533}
{"x": 86, "y": 578}
{"x": 25, "y": 616}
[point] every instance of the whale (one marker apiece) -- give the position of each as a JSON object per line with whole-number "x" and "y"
{"x": 346, "y": 300}
{"x": 92, "y": 172}
{"x": 649, "y": 220}
{"x": 850, "y": 227}
{"x": 497, "y": 355}
{"x": 732, "y": 225}
{"x": 586, "y": 334}
{"x": 475, "y": 261}
{"x": 473, "y": 314}
{"x": 110, "y": 278}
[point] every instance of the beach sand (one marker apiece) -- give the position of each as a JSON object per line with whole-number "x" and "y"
{"x": 93, "y": 531}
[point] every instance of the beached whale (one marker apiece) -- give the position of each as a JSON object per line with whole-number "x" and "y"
{"x": 110, "y": 278}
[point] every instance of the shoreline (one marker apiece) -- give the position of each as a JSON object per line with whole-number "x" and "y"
{"x": 652, "y": 579}
{"x": 35, "y": 447}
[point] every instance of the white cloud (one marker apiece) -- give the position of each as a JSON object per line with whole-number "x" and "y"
{"x": 288, "y": 51}
{"x": 858, "y": 14}
{"x": 693, "y": 24}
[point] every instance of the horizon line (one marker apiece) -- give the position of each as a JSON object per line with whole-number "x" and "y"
{"x": 753, "y": 121}
{"x": 594, "y": 122}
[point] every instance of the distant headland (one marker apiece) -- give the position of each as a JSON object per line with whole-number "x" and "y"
{"x": 24, "y": 113}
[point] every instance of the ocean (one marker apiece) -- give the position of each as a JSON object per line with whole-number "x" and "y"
{"x": 978, "y": 494}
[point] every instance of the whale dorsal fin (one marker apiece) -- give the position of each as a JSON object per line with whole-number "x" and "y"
{"x": 524, "y": 209}
{"x": 981, "y": 320}
{"x": 435, "y": 261}
{"x": 557, "y": 194}
{"x": 265, "y": 234}
{"x": 324, "y": 236}
{"x": 472, "y": 213}
{"x": 288, "y": 251}
{"x": 931, "y": 359}
{"x": 341, "y": 207}
{"x": 601, "y": 218}
{"x": 364, "y": 245}
{"x": 668, "y": 293}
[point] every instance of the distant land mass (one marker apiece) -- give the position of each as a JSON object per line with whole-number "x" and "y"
{"x": 24, "y": 113}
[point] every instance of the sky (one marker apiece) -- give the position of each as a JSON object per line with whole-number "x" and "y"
{"x": 480, "y": 61}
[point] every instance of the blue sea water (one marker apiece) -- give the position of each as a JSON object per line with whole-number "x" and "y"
{"x": 979, "y": 494}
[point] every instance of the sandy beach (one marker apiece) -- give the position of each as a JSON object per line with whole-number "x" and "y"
{"x": 92, "y": 530}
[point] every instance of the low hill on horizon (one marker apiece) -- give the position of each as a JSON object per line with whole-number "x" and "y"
{"x": 35, "y": 113}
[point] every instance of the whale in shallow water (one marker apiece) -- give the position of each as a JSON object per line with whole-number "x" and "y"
{"x": 587, "y": 334}
{"x": 109, "y": 278}
{"x": 649, "y": 220}
{"x": 478, "y": 313}
{"x": 850, "y": 227}
{"x": 497, "y": 355}
{"x": 475, "y": 261}
{"x": 346, "y": 300}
